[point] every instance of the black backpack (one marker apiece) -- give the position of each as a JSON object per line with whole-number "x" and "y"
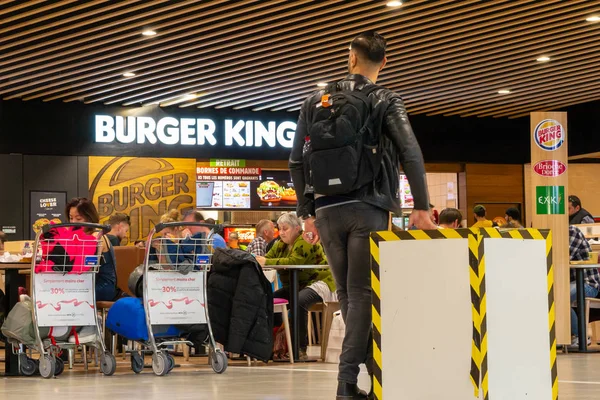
{"x": 342, "y": 151}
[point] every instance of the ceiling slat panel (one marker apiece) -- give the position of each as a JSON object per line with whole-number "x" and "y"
{"x": 446, "y": 57}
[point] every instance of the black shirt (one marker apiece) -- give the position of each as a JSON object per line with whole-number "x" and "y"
{"x": 115, "y": 241}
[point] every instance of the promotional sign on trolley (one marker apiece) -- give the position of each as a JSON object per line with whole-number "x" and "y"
{"x": 64, "y": 300}
{"x": 175, "y": 298}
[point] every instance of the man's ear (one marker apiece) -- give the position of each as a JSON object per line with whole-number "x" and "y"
{"x": 383, "y": 63}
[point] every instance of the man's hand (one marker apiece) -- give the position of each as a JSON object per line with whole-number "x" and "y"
{"x": 421, "y": 220}
{"x": 311, "y": 233}
{"x": 261, "y": 260}
{"x": 186, "y": 233}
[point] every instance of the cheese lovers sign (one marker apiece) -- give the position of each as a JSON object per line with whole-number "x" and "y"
{"x": 143, "y": 188}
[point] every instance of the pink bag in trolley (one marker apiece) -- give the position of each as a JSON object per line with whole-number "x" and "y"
{"x": 67, "y": 250}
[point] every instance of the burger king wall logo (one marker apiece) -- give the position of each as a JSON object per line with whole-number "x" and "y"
{"x": 143, "y": 188}
{"x": 549, "y": 135}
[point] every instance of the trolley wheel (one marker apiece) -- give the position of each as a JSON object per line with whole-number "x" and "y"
{"x": 108, "y": 364}
{"x": 137, "y": 362}
{"x": 160, "y": 364}
{"x": 60, "y": 366}
{"x": 47, "y": 366}
{"x": 171, "y": 362}
{"x": 218, "y": 362}
{"x": 28, "y": 366}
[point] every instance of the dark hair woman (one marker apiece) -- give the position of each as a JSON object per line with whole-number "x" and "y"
{"x": 81, "y": 209}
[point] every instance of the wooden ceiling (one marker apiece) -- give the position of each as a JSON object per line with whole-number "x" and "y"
{"x": 446, "y": 57}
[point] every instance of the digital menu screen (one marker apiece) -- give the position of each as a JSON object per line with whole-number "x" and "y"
{"x": 275, "y": 190}
{"x": 219, "y": 194}
{"x": 246, "y": 234}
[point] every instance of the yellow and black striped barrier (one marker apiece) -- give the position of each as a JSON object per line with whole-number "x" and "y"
{"x": 476, "y": 241}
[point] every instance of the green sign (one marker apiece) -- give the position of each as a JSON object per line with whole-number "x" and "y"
{"x": 550, "y": 200}
{"x": 215, "y": 162}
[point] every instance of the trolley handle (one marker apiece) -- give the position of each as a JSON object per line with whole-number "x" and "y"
{"x": 159, "y": 227}
{"x": 105, "y": 228}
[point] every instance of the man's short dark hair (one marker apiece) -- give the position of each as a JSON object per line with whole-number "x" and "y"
{"x": 576, "y": 201}
{"x": 479, "y": 210}
{"x": 449, "y": 215}
{"x": 198, "y": 217}
{"x": 370, "y": 46}
{"x": 3, "y": 237}
{"x": 117, "y": 218}
{"x": 514, "y": 213}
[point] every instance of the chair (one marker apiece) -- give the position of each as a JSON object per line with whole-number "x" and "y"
{"x": 316, "y": 309}
{"x": 591, "y": 302}
{"x": 280, "y": 306}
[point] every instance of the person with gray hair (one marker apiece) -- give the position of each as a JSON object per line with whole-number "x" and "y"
{"x": 265, "y": 232}
{"x": 316, "y": 284}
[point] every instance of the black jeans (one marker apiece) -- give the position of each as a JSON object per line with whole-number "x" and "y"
{"x": 306, "y": 298}
{"x": 345, "y": 231}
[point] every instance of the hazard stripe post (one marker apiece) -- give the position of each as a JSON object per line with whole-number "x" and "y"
{"x": 433, "y": 301}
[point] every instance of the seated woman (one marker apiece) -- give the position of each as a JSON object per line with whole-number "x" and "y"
{"x": 316, "y": 285}
{"x": 167, "y": 251}
{"x": 81, "y": 210}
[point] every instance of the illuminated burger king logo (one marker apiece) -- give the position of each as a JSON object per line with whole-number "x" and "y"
{"x": 549, "y": 135}
{"x": 143, "y": 188}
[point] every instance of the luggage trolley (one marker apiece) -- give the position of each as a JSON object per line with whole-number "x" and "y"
{"x": 66, "y": 259}
{"x": 175, "y": 291}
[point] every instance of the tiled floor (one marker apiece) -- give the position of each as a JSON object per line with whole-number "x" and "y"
{"x": 579, "y": 377}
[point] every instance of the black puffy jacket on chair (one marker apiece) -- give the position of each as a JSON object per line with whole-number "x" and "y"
{"x": 240, "y": 304}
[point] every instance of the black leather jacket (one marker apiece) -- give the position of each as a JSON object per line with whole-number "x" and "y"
{"x": 398, "y": 143}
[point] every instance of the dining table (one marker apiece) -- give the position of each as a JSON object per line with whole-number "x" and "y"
{"x": 580, "y": 267}
{"x": 294, "y": 308}
{"x": 13, "y": 280}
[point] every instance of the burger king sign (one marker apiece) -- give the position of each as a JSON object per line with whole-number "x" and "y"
{"x": 549, "y": 135}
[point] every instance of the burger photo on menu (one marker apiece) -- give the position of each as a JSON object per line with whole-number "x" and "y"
{"x": 269, "y": 192}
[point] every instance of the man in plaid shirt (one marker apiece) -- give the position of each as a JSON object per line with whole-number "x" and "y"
{"x": 580, "y": 249}
{"x": 265, "y": 232}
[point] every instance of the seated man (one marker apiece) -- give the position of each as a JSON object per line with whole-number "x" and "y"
{"x": 196, "y": 216}
{"x": 450, "y": 218}
{"x": 579, "y": 250}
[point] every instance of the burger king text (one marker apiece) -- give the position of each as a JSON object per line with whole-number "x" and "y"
{"x": 192, "y": 131}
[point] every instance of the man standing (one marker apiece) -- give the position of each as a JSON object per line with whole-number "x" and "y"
{"x": 119, "y": 226}
{"x": 348, "y": 175}
{"x": 577, "y": 214}
{"x": 265, "y": 232}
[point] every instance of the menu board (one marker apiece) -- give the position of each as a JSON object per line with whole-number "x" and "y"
{"x": 46, "y": 207}
{"x": 235, "y": 195}
{"x": 406, "y": 197}
{"x": 275, "y": 190}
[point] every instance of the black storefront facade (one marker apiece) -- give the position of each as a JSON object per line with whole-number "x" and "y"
{"x": 46, "y": 146}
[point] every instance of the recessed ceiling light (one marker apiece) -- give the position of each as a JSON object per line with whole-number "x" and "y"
{"x": 191, "y": 96}
{"x": 593, "y": 18}
{"x": 322, "y": 84}
{"x": 394, "y": 3}
{"x": 543, "y": 59}
{"x": 129, "y": 74}
{"x": 504, "y": 91}
{"x": 149, "y": 32}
